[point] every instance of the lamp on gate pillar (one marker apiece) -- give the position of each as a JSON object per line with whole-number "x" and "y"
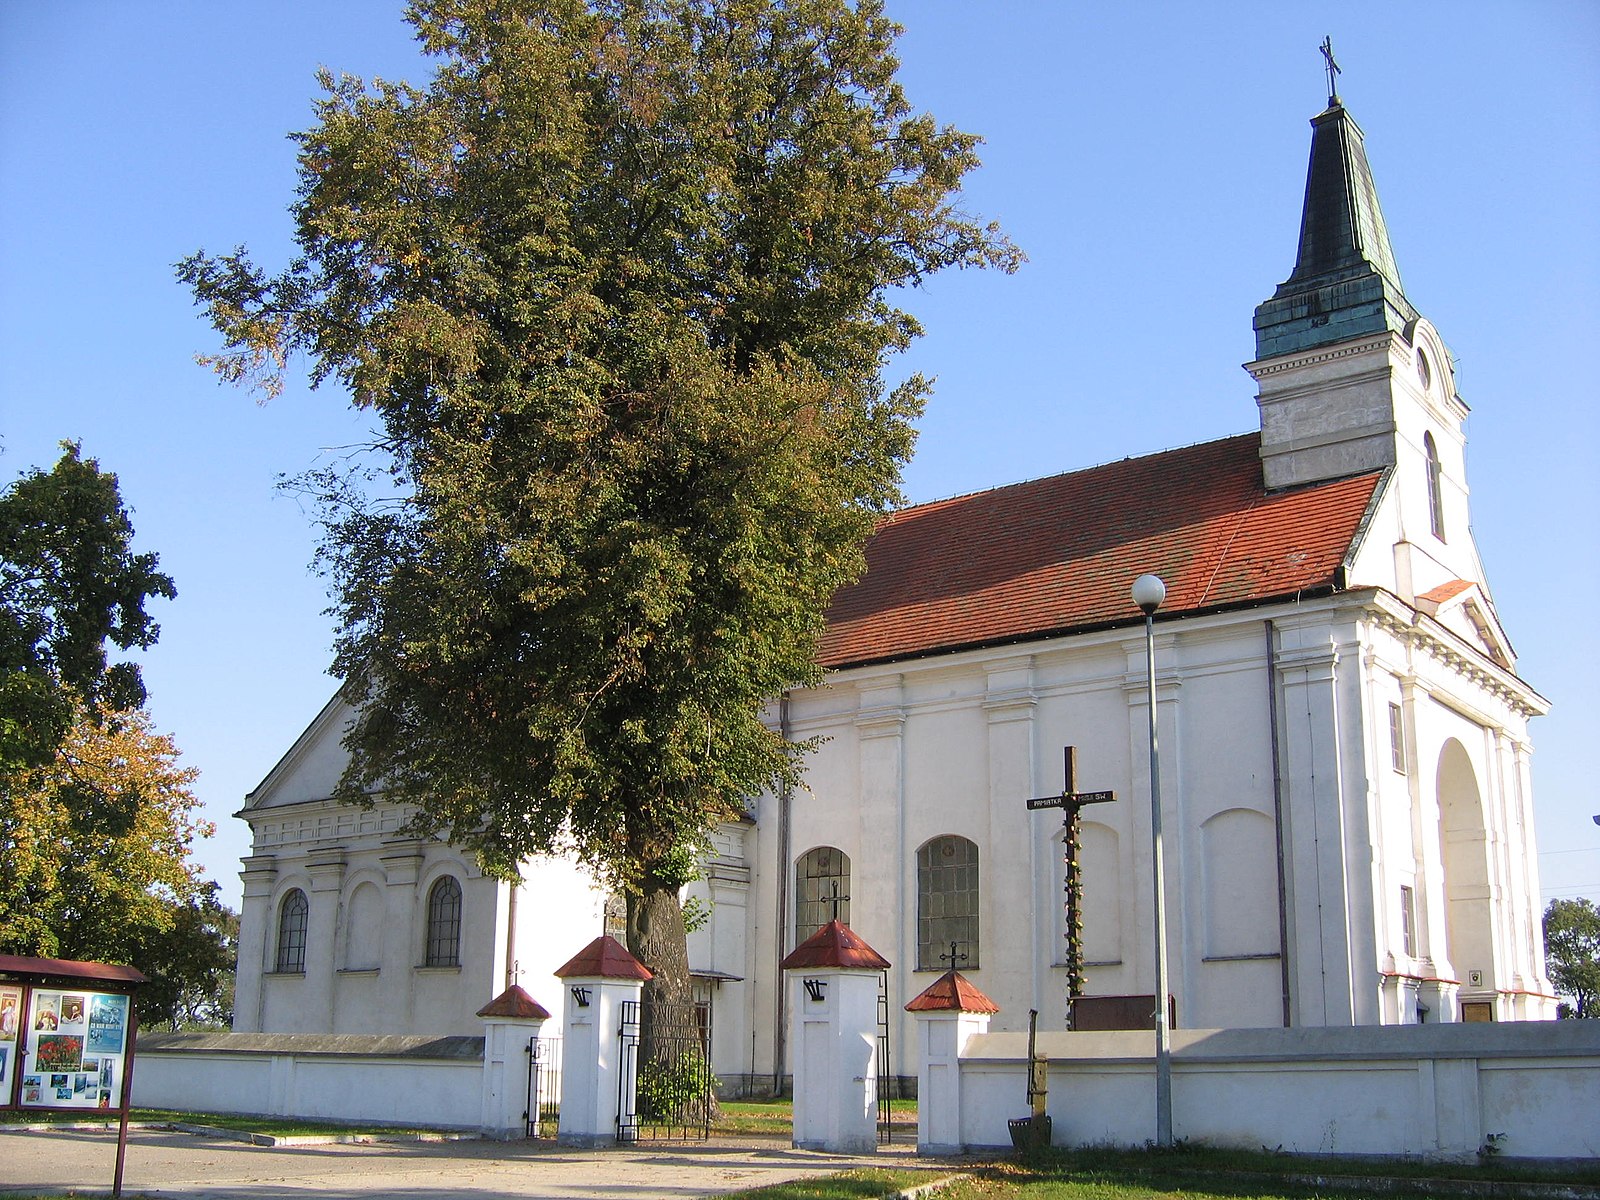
{"x": 1148, "y": 593}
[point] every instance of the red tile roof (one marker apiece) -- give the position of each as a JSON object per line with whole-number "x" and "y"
{"x": 834, "y": 945}
{"x": 1445, "y": 591}
{"x": 603, "y": 958}
{"x": 952, "y": 992}
{"x": 514, "y": 1002}
{"x": 1058, "y": 555}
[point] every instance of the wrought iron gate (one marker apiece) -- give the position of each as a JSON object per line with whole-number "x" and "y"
{"x": 665, "y": 1088}
{"x": 885, "y": 1071}
{"x": 543, "y": 1113}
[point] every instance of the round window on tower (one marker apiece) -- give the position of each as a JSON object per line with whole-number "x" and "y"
{"x": 1424, "y": 371}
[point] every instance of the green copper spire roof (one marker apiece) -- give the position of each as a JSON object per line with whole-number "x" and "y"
{"x": 1345, "y": 283}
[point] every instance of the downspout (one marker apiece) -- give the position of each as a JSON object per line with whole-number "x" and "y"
{"x": 781, "y": 924}
{"x": 1277, "y": 817}
{"x": 511, "y": 930}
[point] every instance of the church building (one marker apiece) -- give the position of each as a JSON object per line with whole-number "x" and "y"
{"x": 1344, "y": 749}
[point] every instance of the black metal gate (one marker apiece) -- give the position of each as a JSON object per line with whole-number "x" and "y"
{"x": 885, "y": 1069}
{"x": 543, "y": 1113}
{"x": 665, "y": 1088}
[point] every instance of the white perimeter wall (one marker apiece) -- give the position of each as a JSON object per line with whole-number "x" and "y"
{"x": 1431, "y": 1091}
{"x": 438, "y": 1093}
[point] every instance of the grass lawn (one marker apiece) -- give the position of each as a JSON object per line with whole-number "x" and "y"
{"x": 1189, "y": 1173}
{"x": 868, "y": 1184}
{"x": 775, "y": 1118}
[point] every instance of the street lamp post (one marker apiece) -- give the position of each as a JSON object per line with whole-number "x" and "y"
{"x": 1148, "y": 593}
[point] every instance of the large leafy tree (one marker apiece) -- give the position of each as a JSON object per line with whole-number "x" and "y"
{"x": 191, "y": 965}
{"x": 618, "y": 286}
{"x": 1572, "y": 954}
{"x": 94, "y": 857}
{"x": 69, "y": 583}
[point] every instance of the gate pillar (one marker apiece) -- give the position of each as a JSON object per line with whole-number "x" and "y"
{"x": 598, "y": 980}
{"x": 509, "y": 1021}
{"x": 949, "y": 1014}
{"x": 833, "y": 1028}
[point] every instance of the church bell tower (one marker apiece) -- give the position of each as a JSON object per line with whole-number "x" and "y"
{"x": 1351, "y": 378}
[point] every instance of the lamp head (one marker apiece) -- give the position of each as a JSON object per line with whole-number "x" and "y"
{"x": 1148, "y": 593}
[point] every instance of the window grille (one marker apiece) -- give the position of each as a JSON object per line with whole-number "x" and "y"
{"x": 822, "y": 876}
{"x": 444, "y": 924}
{"x": 292, "y": 915}
{"x": 947, "y": 903}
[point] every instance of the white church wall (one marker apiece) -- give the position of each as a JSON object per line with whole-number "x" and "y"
{"x": 560, "y": 910}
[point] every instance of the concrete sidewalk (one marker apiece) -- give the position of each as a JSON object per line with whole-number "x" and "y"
{"x": 195, "y": 1167}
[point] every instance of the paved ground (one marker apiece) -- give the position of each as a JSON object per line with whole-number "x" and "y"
{"x": 194, "y": 1167}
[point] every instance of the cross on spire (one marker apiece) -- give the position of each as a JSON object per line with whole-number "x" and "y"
{"x": 1332, "y": 69}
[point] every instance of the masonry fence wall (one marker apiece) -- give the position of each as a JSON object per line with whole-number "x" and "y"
{"x": 1429, "y": 1091}
{"x": 432, "y": 1082}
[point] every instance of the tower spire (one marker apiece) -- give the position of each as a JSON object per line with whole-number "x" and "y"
{"x": 1345, "y": 281}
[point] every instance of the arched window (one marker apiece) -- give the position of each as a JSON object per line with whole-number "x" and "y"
{"x": 444, "y": 924}
{"x": 821, "y": 876}
{"x": 947, "y": 903}
{"x": 1435, "y": 490}
{"x": 615, "y": 920}
{"x": 292, "y": 915}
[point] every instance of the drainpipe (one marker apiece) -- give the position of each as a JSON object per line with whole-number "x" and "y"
{"x": 1277, "y": 817}
{"x": 781, "y": 924}
{"x": 511, "y": 930}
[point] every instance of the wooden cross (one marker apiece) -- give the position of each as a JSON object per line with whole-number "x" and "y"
{"x": 1332, "y": 69}
{"x": 1071, "y": 802}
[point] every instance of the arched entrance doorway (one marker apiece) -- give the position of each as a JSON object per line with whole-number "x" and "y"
{"x": 1464, "y": 853}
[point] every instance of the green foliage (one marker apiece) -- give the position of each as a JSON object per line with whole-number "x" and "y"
{"x": 616, "y": 287}
{"x": 675, "y": 1088}
{"x": 191, "y": 966}
{"x": 94, "y": 849}
{"x": 1572, "y": 954}
{"x": 69, "y": 582}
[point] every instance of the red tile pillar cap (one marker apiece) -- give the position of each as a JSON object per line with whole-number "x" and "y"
{"x": 834, "y": 945}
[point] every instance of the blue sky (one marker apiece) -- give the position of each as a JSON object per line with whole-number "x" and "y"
{"x": 1150, "y": 158}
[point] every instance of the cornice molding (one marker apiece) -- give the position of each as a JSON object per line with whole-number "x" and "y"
{"x": 1262, "y": 368}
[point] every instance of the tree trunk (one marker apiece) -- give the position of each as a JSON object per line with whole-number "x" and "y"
{"x": 675, "y": 1081}
{"x": 656, "y": 937}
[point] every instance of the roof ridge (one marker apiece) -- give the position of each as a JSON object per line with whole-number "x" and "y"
{"x": 1032, "y": 479}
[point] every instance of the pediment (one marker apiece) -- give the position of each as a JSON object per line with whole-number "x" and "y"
{"x": 1462, "y": 607}
{"x": 311, "y": 767}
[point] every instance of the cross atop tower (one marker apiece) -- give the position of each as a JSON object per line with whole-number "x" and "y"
{"x": 1332, "y": 68}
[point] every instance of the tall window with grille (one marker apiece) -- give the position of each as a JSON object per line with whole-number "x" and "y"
{"x": 444, "y": 924}
{"x": 1397, "y": 739}
{"x": 822, "y": 886}
{"x": 292, "y": 917}
{"x": 947, "y": 903}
